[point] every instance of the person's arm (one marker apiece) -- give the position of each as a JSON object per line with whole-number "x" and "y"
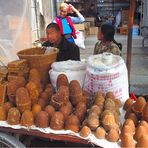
{"x": 80, "y": 17}
{"x": 96, "y": 48}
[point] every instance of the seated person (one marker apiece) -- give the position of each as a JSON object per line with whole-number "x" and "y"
{"x": 66, "y": 22}
{"x": 106, "y": 41}
{"x": 67, "y": 50}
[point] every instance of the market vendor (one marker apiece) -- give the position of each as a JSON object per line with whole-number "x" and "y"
{"x": 106, "y": 41}
{"x": 67, "y": 50}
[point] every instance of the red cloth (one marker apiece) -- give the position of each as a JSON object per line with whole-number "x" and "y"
{"x": 59, "y": 22}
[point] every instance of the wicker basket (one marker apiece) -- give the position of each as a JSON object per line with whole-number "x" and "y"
{"x": 37, "y": 59}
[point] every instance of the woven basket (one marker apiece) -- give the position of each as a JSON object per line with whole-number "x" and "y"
{"x": 37, "y": 59}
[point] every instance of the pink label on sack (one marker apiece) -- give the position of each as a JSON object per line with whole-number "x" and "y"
{"x": 104, "y": 83}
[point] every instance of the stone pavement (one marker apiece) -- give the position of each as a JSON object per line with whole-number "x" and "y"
{"x": 139, "y": 60}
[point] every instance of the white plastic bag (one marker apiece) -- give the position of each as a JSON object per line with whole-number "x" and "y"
{"x": 48, "y": 50}
{"x": 79, "y": 41}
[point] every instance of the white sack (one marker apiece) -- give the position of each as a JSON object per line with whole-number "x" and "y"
{"x": 103, "y": 76}
{"x": 74, "y": 70}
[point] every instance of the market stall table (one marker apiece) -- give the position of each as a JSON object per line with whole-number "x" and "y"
{"x": 59, "y": 137}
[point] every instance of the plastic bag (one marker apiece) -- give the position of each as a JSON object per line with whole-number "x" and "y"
{"x": 48, "y": 50}
{"x": 79, "y": 41}
{"x": 15, "y": 28}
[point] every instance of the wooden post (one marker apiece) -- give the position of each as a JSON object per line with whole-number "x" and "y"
{"x": 129, "y": 41}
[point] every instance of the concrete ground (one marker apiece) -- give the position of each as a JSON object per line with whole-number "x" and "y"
{"x": 139, "y": 60}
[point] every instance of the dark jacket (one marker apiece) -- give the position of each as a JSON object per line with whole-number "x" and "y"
{"x": 67, "y": 50}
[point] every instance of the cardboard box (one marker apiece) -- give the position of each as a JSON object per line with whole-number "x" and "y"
{"x": 93, "y": 30}
{"x": 124, "y": 30}
{"x": 79, "y": 26}
{"x": 124, "y": 17}
{"x": 91, "y": 20}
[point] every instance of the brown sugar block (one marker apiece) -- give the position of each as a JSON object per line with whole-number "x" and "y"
{"x": 62, "y": 80}
{"x": 127, "y": 141}
{"x": 27, "y": 118}
{"x": 33, "y": 92}
{"x": 78, "y": 98}
{"x": 89, "y": 98}
{"x": 109, "y": 95}
{"x": 14, "y": 116}
{"x": 133, "y": 117}
{"x": 85, "y": 131}
{"x": 128, "y": 103}
{"x": 36, "y": 108}
{"x": 126, "y": 129}
{"x": 3, "y": 73}
{"x": 128, "y": 112}
{"x": 23, "y": 101}
{"x": 99, "y": 99}
{"x": 140, "y": 130}
{"x": 18, "y": 63}
{"x": 50, "y": 110}
{"x": 18, "y": 73}
{"x": 131, "y": 124}
{"x": 144, "y": 123}
{"x": 118, "y": 103}
{"x": 113, "y": 135}
{"x": 143, "y": 141}
{"x": 138, "y": 106}
{"x": 57, "y": 121}
{"x": 145, "y": 112}
{"x": 81, "y": 111}
{"x": 108, "y": 122}
{"x": 66, "y": 109}
{"x": 49, "y": 90}
{"x": 34, "y": 75}
{"x": 2, "y": 113}
{"x": 100, "y": 133}
{"x": 42, "y": 102}
{"x": 63, "y": 94}
{"x": 55, "y": 103}
{"x": 42, "y": 120}
{"x": 93, "y": 121}
{"x": 109, "y": 104}
{"x": 13, "y": 86}
{"x": 61, "y": 97}
{"x": 7, "y": 106}
{"x": 75, "y": 88}
{"x": 72, "y": 123}
{"x": 95, "y": 109}
{"x": 44, "y": 95}
{"x": 2, "y": 93}
{"x": 11, "y": 77}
